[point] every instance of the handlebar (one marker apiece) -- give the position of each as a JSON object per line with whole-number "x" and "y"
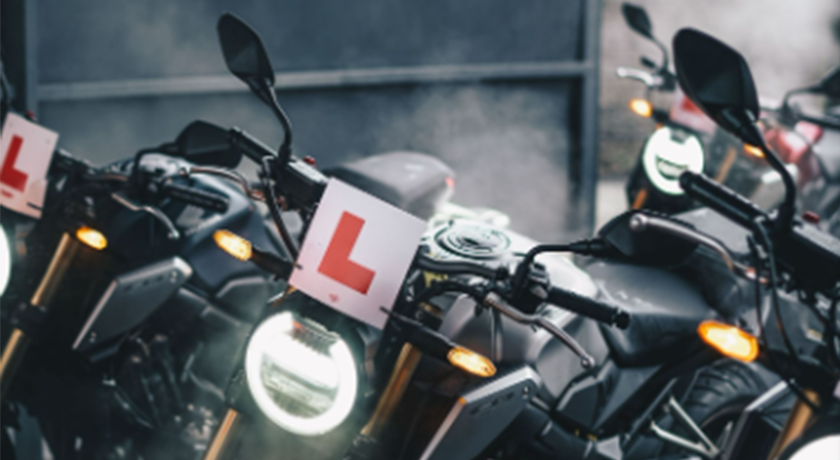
{"x": 826, "y": 122}
{"x": 809, "y": 254}
{"x": 648, "y": 79}
{"x": 732, "y": 205}
{"x": 588, "y": 307}
{"x": 562, "y": 298}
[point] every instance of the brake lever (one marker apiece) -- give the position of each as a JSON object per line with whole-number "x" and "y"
{"x": 155, "y": 212}
{"x": 495, "y": 302}
{"x": 642, "y": 222}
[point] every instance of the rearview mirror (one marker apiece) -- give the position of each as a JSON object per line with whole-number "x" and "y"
{"x": 207, "y": 144}
{"x": 830, "y": 84}
{"x": 636, "y": 17}
{"x": 245, "y": 54}
{"x": 246, "y": 58}
{"x": 718, "y": 80}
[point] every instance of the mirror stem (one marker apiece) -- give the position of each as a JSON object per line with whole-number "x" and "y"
{"x": 265, "y": 89}
{"x": 787, "y": 209}
{"x": 665, "y": 61}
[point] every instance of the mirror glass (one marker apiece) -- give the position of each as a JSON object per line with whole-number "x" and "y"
{"x": 243, "y": 49}
{"x": 718, "y": 80}
{"x": 638, "y": 20}
{"x": 207, "y": 144}
{"x": 830, "y": 84}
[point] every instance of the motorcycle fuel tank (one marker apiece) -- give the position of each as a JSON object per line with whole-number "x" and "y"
{"x": 509, "y": 344}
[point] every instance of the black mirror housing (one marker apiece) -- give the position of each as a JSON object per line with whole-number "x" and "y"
{"x": 636, "y": 17}
{"x": 207, "y": 144}
{"x": 718, "y": 80}
{"x": 244, "y": 52}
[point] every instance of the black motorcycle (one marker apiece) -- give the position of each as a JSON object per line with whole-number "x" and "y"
{"x": 799, "y": 340}
{"x": 134, "y": 321}
{"x": 686, "y": 140}
{"x": 487, "y": 353}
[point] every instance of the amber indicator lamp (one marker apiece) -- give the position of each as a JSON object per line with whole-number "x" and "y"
{"x": 641, "y": 107}
{"x": 753, "y": 151}
{"x": 92, "y": 238}
{"x": 234, "y": 245}
{"x": 729, "y": 340}
{"x": 471, "y": 362}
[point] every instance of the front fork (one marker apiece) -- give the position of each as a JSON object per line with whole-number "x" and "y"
{"x": 801, "y": 416}
{"x": 19, "y": 340}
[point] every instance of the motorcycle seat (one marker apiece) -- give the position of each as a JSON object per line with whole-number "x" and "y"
{"x": 414, "y": 182}
{"x": 665, "y": 311}
{"x": 827, "y": 150}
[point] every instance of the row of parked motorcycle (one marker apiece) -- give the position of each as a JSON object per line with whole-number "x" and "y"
{"x": 149, "y": 314}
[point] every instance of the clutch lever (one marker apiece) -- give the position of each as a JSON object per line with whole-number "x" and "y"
{"x": 155, "y": 212}
{"x": 642, "y": 222}
{"x": 495, "y": 302}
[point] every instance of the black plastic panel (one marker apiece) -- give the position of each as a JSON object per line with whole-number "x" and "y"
{"x": 665, "y": 311}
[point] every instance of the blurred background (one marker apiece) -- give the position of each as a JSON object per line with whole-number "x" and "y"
{"x": 787, "y": 45}
{"x": 520, "y": 98}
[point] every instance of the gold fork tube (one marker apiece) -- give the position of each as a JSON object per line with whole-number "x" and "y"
{"x": 18, "y": 341}
{"x": 798, "y": 420}
{"x": 394, "y": 391}
{"x": 223, "y": 438}
{"x": 726, "y": 164}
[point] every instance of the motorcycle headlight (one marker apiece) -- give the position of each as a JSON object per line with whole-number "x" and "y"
{"x": 5, "y": 262}
{"x": 302, "y": 377}
{"x": 668, "y": 153}
{"x": 824, "y": 447}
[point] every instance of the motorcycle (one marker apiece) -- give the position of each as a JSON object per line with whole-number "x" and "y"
{"x": 484, "y": 355}
{"x": 686, "y": 140}
{"x": 149, "y": 321}
{"x": 798, "y": 341}
{"x": 812, "y": 143}
{"x": 132, "y": 315}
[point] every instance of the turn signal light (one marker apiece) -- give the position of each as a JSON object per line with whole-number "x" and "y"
{"x": 472, "y": 362}
{"x": 93, "y": 238}
{"x": 753, "y": 151}
{"x": 730, "y": 340}
{"x": 641, "y": 107}
{"x": 233, "y": 244}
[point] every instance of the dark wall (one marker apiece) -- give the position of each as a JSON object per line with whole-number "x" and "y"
{"x": 508, "y": 142}
{"x": 126, "y": 39}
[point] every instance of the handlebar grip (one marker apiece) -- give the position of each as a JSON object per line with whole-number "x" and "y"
{"x": 201, "y": 198}
{"x": 720, "y": 198}
{"x": 588, "y": 307}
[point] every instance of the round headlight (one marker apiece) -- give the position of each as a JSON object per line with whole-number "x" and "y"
{"x": 5, "y": 262}
{"x": 302, "y": 377}
{"x": 667, "y": 154}
{"x": 825, "y": 447}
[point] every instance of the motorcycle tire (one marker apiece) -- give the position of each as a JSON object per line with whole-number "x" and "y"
{"x": 717, "y": 398}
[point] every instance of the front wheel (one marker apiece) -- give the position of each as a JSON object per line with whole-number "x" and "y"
{"x": 719, "y": 395}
